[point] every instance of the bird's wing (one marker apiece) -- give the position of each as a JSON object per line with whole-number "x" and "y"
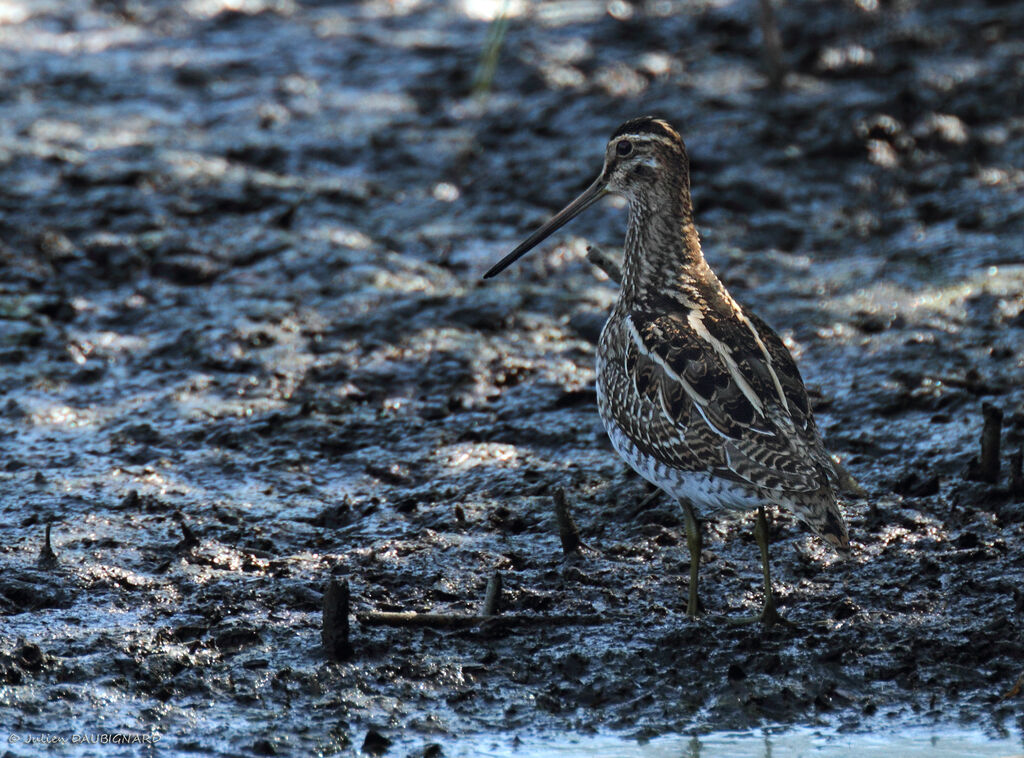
{"x": 731, "y": 392}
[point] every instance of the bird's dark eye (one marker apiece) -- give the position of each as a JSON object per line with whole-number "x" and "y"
{"x": 623, "y": 148}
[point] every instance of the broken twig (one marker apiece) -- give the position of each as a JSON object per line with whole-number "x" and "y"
{"x": 47, "y": 558}
{"x": 986, "y": 468}
{"x": 990, "y": 441}
{"x": 460, "y": 621}
{"x": 601, "y": 259}
{"x": 188, "y": 537}
{"x": 567, "y": 531}
{"x": 335, "y": 628}
{"x": 1016, "y": 476}
{"x": 649, "y": 499}
{"x": 848, "y": 485}
{"x": 771, "y": 41}
{"x": 492, "y": 599}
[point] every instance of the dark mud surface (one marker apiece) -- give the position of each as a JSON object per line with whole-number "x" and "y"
{"x": 245, "y": 348}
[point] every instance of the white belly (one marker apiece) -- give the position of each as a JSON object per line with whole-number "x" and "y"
{"x": 706, "y": 493}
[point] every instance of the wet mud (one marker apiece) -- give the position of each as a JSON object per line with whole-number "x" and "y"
{"x": 246, "y": 350}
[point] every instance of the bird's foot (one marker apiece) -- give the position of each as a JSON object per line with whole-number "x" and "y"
{"x": 694, "y": 609}
{"x": 769, "y": 616}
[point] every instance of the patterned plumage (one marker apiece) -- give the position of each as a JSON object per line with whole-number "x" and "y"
{"x": 698, "y": 395}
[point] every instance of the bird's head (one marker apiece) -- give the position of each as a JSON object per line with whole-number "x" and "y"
{"x": 644, "y": 157}
{"x": 645, "y": 162}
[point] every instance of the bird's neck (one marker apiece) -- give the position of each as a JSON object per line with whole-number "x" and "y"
{"x": 663, "y": 255}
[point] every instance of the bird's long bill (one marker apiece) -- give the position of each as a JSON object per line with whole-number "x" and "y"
{"x": 590, "y": 195}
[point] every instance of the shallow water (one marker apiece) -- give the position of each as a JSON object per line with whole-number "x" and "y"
{"x": 762, "y": 743}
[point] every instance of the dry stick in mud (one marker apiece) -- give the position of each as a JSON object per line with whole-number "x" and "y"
{"x": 335, "y": 625}
{"x": 492, "y": 599}
{"x": 488, "y": 619}
{"x": 1016, "y": 475}
{"x": 771, "y": 41}
{"x": 188, "y": 537}
{"x": 47, "y": 558}
{"x": 990, "y": 441}
{"x": 603, "y": 261}
{"x": 570, "y": 537}
{"x": 567, "y": 531}
{"x": 460, "y": 621}
{"x": 986, "y": 468}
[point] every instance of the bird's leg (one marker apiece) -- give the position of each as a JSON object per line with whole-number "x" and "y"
{"x": 694, "y": 542}
{"x": 769, "y": 614}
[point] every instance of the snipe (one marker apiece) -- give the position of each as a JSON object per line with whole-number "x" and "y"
{"x": 697, "y": 394}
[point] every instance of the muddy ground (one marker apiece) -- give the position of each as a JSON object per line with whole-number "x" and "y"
{"x": 245, "y": 348}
